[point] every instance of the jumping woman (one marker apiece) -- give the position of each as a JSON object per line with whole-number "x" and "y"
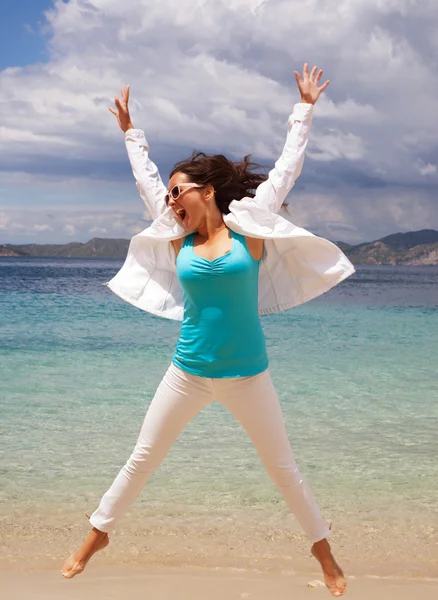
{"x": 220, "y": 252}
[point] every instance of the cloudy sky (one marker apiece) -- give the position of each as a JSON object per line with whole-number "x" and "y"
{"x": 216, "y": 75}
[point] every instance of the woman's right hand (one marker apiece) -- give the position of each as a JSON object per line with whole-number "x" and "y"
{"x": 122, "y": 112}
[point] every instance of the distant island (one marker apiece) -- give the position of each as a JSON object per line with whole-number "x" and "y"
{"x": 410, "y": 248}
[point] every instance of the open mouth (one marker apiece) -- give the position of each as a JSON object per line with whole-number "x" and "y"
{"x": 181, "y": 214}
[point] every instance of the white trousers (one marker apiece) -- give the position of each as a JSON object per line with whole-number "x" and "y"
{"x": 179, "y": 397}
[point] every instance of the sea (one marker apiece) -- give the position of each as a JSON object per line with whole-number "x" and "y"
{"x": 356, "y": 371}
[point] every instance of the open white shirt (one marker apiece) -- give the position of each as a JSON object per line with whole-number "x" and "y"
{"x": 296, "y": 265}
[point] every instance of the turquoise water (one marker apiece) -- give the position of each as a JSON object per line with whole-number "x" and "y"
{"x": 355, "y": 369}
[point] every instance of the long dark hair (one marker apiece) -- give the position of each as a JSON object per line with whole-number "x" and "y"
{"x": 231, "y": 180}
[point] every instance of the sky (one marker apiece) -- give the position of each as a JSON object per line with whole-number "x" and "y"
{"x": 216, "y": 76}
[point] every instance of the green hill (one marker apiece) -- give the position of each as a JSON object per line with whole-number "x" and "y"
{"x": 410, "y": 248}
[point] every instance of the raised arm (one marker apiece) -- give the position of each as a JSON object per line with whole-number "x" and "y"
{"x": 148, "y": 180}
{"x": 271, "y": 193}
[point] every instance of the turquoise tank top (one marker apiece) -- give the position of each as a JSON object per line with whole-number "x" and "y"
{"x": 221, "y": 334}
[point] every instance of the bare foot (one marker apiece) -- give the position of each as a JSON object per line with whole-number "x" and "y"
{"x": 333, "y": 575}
{"x": 95, "y": 541}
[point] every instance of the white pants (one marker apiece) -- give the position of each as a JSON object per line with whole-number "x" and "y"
{"x": 179, "y": 397}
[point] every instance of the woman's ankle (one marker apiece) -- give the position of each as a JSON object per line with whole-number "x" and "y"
{"x": 98, "y": 532}
{"x": 321, "y": 548}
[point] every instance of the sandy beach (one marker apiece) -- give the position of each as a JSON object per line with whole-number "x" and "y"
{"x": 169, "y": 564}
{"x": 196, "y": 584}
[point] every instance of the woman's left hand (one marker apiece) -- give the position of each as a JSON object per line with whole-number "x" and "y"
{"x": 308, "y": 84}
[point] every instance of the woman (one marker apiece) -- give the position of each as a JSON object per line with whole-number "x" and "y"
{"x": 216, "y": 257}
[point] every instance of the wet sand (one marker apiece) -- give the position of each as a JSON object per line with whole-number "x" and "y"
{"x": 168, "y": 583}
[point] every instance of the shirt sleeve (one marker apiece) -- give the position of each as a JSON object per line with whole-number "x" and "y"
{"x": 271, "y": 193}
{"x": 148, "y": 180}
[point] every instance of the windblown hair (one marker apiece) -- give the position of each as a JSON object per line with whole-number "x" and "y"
{"x": 231, "y": 180}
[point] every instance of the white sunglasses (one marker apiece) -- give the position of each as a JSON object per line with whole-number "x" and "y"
{"x": 176, "y": 192}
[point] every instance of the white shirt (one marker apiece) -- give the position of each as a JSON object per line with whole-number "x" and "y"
{"x": 296, "y": 265}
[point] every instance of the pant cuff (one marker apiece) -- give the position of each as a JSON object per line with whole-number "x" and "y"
{"x": 95, "y": 523}
{"x": 321, "y": 536}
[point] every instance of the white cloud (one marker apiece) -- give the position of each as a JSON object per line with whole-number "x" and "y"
{"x": 349, "y": 110}
{"x": 98, "y": 230}
{"x": 14, "y": 136}
{"x": 4, "y": 221}
{"x": 426, "y": 169}
{"x": 84, "y": 224}
{"x": 219, "y": 76}
{"x": 335, "y": 145}
{"x": 69, "y": 229}
{"x": 43, "y": 227}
